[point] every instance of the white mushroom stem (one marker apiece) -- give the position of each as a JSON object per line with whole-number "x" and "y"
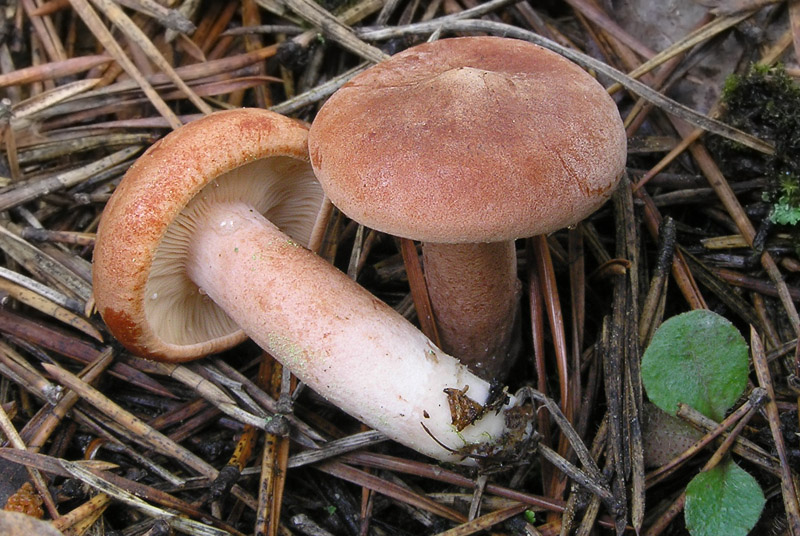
{"x": 336, "y": 337}
{"x": 474, "y": 292}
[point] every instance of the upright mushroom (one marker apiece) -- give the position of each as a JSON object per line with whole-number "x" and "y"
{"x": 186, "y": 229}
{"x": 467, "y": 144}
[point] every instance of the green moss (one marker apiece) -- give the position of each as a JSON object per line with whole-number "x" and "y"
{"x": 765, "y": 102}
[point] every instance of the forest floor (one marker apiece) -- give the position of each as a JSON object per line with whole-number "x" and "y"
{"x": 100, "y": 441}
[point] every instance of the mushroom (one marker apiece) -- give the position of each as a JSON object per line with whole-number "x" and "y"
{"x": 190, "y": 255}
{"x": 246, "y": 160}
{"x": 467, "y": 144}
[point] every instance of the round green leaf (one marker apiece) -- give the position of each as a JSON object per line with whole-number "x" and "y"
{"x": 698, "y": 358}
{"x": 725, "y": 500}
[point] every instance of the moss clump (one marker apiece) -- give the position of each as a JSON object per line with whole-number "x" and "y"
{"x": 765, "y": 101}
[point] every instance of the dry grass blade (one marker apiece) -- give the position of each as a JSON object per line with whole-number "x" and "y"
{"x": 65, "y": 143}
{"x": 419, "y": 290}
{"x": 235, "y": 388}
{"x": 334, "y": 29}
{"x": 23, "y": 112}
{"x": 755, "y": 401}
{"x": 7, "y": 427}
{"x": 381, "y": 461}
{"x": 78, "y": 520}
{"x": 175, "y": 521}
{"x": 788, "y": 489}
{"x": 55, "y": 466}
{"x": 390, "y": 489}
{"x": 44, "y": 291}
{"x": 613, "y": 345}
{"x": 35, "y": 189}
{"x": 725, "y": 242}
{"x": 38, "y": 336}
{"x": 111, "y": 94}
{"x": 722, "y": 290}
{"x": 278, "y": 381}
{"x": 544, "y": 266}
{"x": 148, "y": 437}
{"x": 169, "y": 18}
{"x": 577, "y": 497}
{"x": 144, "y": 434}
{"x": 49, "y": 308}
{"x": 49, "y": 464}
{"x": 337, "y": 448}
{"x": 39, "y": 429}
{"x": 743, "y": 446}
{"x": 37, "y": 333}
{"x": 26, "y": 375}
{"x": 187, "y": 9}
{"x": 225, "y": 87}
{"x": 765, "y": 288}
{"x": 485, "y": 522}
{"x": 670, "y": 157}
{"x": 536, "y": 301}
{"x": 713, "y": 28}
{"x": 124, "y": 23}
{"x": 269, "y": 404}
{"x": 287, "y": 29}
{"x": 36, "y": 234}
{"x": 45, "y": 30}
{"x": 436, "y": 23}
{"x": 628, "y": 241}
{"x": 269, "y": 492}
{"x": 653, "y": 305}
{"x": 49, "y": 7}
{"x": 45, "y": 266}
{"x": 100, "y": 31}
{"x": 577, "y": 295}
{"x": 211, "y": 392}
{"x": 596, "y": 486}
{"x": 592, "y": 12}
{"x": 594, "y": 478}
{"x": 317, "y": 93}
{"x": 680, "y": 269}
{"x": 348, "y": 16}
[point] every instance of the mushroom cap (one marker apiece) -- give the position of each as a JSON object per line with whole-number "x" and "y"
{"x": 141, "y": 288}
{"x": 471, "y": 139}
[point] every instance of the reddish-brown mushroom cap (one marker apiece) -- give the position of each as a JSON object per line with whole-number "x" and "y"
{"x": 474, "y": 139}
{"x": 140, "y": 287}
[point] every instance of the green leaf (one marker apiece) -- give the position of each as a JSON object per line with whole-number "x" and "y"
{"x": 724, "y": 501}
{"x": 697, "y": 358}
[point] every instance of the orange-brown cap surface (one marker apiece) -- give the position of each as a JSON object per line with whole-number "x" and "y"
{"x": 473, "y": 139}
{"x": 142, "y": 292}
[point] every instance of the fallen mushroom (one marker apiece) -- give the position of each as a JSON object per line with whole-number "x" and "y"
{"x": 250, "y": 160}
{"x": 467, "y": 144}
{"x": 179, "y": 230}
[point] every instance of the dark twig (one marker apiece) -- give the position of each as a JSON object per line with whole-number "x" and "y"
{"x": 788, "y": 489}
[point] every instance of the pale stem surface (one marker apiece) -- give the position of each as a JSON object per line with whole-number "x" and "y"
{"x": 474, "y": 293}
{"x": 347, "y": 345}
